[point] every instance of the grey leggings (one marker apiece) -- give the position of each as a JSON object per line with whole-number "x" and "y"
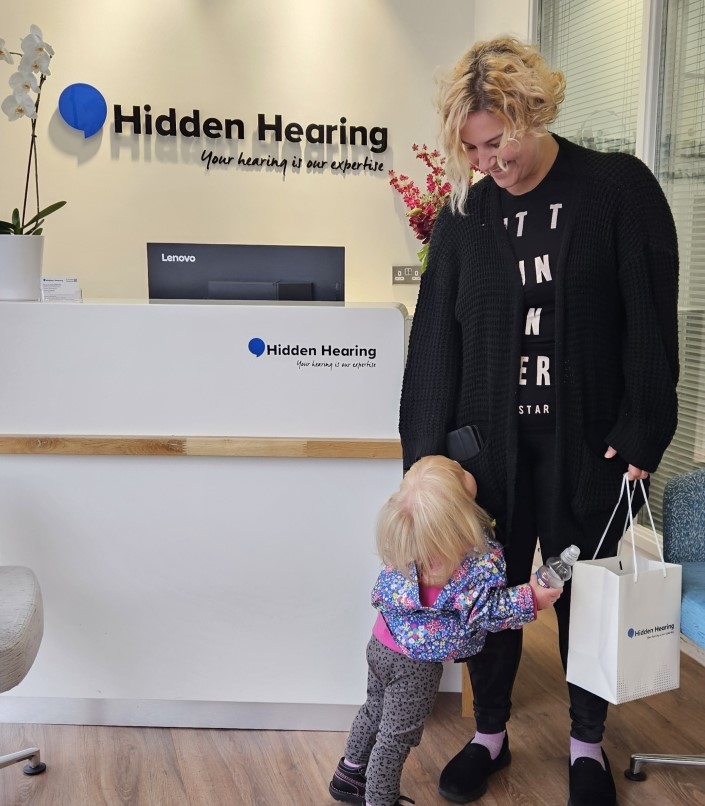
{"x": 400, "y": 695}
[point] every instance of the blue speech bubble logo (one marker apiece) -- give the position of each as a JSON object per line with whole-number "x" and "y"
{"x": 256, "y": 347}
{"x": 84, "y": 108}
{"x": 630, "y": 632}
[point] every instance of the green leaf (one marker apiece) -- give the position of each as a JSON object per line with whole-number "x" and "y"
{"x": 423, "y": 257}
{"x": 44, "y": 213}
{"x": 6, "y": 228}
{"x": 33, "y": 230}
{"x": 16, "y": 220}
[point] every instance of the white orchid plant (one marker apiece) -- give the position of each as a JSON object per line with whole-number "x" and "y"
{"x": 24, "y": 102}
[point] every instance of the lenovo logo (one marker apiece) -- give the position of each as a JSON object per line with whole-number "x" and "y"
{"x": 178, "y": 258}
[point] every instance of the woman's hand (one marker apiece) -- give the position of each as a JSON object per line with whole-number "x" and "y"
{"x": 633, "y": 473}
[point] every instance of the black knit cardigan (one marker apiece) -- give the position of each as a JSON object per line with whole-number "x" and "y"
{"x": 616, "y": 353}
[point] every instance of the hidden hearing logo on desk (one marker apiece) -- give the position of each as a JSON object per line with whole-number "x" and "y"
{"x": 256, "y": 347}
{"x": 326, "y": 355}
{"x": 84, "y": 108}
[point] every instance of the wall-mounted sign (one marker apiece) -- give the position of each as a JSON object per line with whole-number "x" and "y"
{"x": 357, "y": 146}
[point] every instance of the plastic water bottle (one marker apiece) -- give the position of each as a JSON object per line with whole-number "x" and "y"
{"x": 556, "y": 570}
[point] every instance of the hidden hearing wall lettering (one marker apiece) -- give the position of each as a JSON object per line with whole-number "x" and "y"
{"x": 282, "y": 163}
{"x": 272, "y": 130}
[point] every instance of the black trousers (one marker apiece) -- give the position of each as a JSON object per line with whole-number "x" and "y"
{"x": 494, "y": 669}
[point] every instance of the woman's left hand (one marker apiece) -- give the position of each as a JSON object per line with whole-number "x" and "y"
{"x": 633, "y": 473}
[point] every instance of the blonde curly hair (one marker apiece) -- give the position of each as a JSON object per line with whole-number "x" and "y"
{"x": 433, "y": 521}
{"x": 506, "y": 78}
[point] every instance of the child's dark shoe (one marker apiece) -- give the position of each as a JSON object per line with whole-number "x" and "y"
{"x": 464, "y": 777}
{"x": 348, "y": 784}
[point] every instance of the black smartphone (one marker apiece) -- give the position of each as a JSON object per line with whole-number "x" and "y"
{"x": 464, "y": 443}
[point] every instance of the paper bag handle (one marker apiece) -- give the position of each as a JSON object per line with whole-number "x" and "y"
{"x": 630, "y": 520}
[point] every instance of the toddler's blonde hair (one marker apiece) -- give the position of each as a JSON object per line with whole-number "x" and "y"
{"x": 432, "y": 521}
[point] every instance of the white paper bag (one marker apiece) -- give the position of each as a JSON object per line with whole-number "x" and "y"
{"x": 625, "y": 625}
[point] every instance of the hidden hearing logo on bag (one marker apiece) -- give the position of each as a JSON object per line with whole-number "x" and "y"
{"x": 651, "y": 632}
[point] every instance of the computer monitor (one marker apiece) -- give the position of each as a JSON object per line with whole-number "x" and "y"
{"x": 246, "y": 272}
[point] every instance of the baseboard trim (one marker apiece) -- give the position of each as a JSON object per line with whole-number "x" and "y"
{"x": 692, "y": 650}
{"x": 177, "y": 714}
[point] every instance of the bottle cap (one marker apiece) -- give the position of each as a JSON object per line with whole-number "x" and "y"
{"x": 570, "y": 555}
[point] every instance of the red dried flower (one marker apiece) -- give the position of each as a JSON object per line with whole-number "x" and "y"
{"x": 423, "y": 208}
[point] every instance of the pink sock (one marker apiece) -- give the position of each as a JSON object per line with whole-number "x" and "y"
{"x": 492, "y": 741}
{"x": 580, "y": 749}
{"x": 351, "y": 765}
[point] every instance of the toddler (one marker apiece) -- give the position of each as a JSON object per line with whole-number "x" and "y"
{"x": 443, "y": 588}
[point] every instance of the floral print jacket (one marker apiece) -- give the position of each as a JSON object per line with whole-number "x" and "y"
{"x": 474, "y": 601}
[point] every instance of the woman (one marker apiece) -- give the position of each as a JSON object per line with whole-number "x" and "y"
{"x": 547, "y": 320}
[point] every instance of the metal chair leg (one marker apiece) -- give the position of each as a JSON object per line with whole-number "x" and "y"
{"x": 31, "y": 754}
{"x": 634, "y": 773}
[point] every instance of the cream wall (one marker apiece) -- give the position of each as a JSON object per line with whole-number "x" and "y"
{"x": 311, "y": 61}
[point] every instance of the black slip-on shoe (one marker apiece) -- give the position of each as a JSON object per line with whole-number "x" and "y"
{"x": 464, "y": 778}
{"x": 348, "y": 784}
{"x": 590, "y": 785}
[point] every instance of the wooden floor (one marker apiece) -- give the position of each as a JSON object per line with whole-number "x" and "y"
{"x": 92, "y": 766}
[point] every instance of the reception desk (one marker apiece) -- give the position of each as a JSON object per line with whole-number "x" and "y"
{"x": 196, "y": 488}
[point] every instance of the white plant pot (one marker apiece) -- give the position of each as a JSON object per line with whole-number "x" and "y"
{"x": 21, "y": 266}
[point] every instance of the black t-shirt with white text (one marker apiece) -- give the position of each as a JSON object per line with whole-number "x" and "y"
{"x": 535, "y": 224}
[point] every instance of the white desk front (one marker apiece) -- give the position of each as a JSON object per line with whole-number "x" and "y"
{"x": 214, "y": 591}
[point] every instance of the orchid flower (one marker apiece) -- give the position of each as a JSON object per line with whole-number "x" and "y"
{"x": 35, "y": 58}
{"x": 19, "y": 105}
{"x": 5, "y": 53}
{"x": 34, "y": 43}
{"x": 23, "y": 82}
{"x": 35, "y": 63}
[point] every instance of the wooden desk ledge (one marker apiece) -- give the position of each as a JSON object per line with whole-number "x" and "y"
{"x": 296, "y": 447}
